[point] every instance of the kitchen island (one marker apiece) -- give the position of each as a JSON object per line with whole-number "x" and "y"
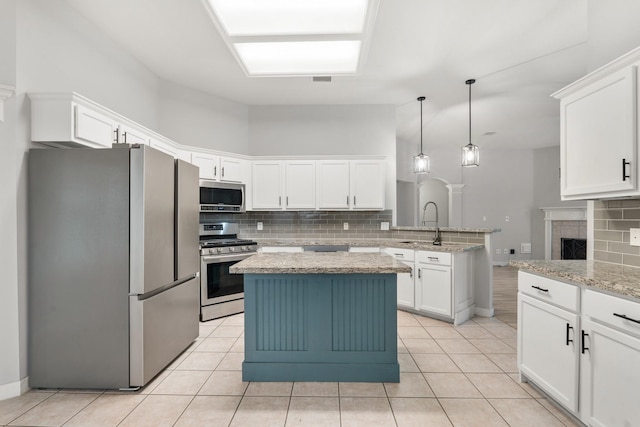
{"x": 320, "y": 317}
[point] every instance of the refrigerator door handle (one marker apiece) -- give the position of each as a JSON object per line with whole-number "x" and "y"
{"x": 142, "y": 297}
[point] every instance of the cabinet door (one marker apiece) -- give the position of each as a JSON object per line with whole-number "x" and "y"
{"x": 367, "y": 184}
{"x": 598, "y": 134}
{"x": 406, "y": 288}
{"x": 609, "y": 377}
{"x": 300, "y": 184}
{"x": 207, "y": 163}
{"x": 333, "y": 184}
{"x": 267, "y": 185}
{"x": 95, "y": 128}
{"x": 231, "y": 169}
{"x": 130, "y": 135}
{"x": 433, "y": 289}
{"x": 548, "y": 348}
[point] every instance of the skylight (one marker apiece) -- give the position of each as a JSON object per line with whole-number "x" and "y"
{"x": 296, "y": 37}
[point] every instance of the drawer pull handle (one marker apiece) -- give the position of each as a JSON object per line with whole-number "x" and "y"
{"x": 624, "y": 316}
{"x": 433, "y": 258}
{"x": 539, "y": 288}
{"x": 584, "y": 334}
{"x": 568, "y": 329}
{"x": 419, "y": 273}
{"x": 399, "y": 255}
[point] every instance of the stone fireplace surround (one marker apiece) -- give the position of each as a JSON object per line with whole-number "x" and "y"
{"x": 562, "y": 222}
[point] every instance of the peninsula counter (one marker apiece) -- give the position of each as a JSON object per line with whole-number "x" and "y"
{"x": 320, "y": 317}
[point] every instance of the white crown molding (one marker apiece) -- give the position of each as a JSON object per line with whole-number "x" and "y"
{"x": 6, "y": 92}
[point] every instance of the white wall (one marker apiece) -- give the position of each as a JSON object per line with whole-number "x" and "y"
{"x": 501, "y": 186}
{"x": 195, "y": 118}
{"x": 613, "y": 30}
{"x": 59, "y": 51}
{"x": 327, "y": 130}
{"x": 546, "y": 193}
{"x": 12, "y": 336}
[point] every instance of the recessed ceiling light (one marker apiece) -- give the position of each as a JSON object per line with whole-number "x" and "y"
{"x": 300, "y": 58}
{"x": 285, "y": 17}
{"x": 295, "y": 37}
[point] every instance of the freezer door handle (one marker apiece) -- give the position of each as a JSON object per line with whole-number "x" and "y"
{"x": 161, "y": 289}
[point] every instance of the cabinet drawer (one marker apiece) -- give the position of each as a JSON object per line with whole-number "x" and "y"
{"x": 552, "y": 291}
{"x": 400, "y": 254}
{"x": 431, "y": 257}
{"x": 612, "y": 310}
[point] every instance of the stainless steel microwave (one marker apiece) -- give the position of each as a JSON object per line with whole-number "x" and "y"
{"x": 221, "y": 196}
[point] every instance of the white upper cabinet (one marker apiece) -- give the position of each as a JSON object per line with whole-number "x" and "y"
{"x": 598, "y": 140}
{"x": 300, "y": 184}
{"x": 96, "y": 129}
{"x": 351, "y": 184}
{"x": 278, "y": 185}
{"x": 367, "y": 184}
{"x": 333, "y": 184}
{"x": 267, "y": 184}
{"x": 218, "y": 168}
{"x": 132, "y": 135}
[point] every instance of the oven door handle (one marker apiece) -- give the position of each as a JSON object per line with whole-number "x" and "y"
{"x": 215, "y": 259}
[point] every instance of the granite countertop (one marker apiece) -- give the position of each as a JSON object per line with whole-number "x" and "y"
{"x": 616, "y": 279}
{"x": 320, "y": 263}
{"x": 421, "y": 245}
{"x": 449, "y": 229}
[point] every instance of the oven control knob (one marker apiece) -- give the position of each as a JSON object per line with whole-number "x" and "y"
{"x": 218, "y": 250}
{"x": 232, "y": 249}
{"x": 210, "y": 251}
{"x": 243, "y": 248}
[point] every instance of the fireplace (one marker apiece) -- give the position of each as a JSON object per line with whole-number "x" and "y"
{"x": 573, "y": 248}
{"x": 564, "y": 223}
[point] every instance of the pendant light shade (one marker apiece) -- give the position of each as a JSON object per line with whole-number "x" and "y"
{"x": 421, "y": 162}
{"x": 470, "y": 152}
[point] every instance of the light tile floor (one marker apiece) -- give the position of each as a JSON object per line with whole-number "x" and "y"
{"x": 462, "y": 376}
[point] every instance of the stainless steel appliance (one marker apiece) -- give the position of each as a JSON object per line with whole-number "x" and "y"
{"x": 221, "y": 196}
{"x": 113, "y": 265}
{"x": 221, "y": 293}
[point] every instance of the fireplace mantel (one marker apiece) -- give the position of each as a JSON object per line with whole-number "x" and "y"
{"x": 572, "y": 213}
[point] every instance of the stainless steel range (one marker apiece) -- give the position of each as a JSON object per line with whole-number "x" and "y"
{"x": 221, "y": 293}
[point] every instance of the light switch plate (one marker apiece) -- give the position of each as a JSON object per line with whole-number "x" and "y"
{"x": 384, "y": 225}
{"x": 259, "y": 226}
{"x": 345, "y": 226}
{"x": 634, "y": 238}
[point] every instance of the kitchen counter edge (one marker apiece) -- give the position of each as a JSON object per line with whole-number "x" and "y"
{"x": 610, "y": 278}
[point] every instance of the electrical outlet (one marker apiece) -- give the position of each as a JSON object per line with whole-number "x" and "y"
{"x": 498, "y": 252}
{"x": 345, "y": 226}
{"x": 505, "y": 251}
{"x": 634, "y": 238}
{"x": 259, "y": 226}
{"x": 512, "y": 251}
{"x": 506, "y": 218}
{"x": 384, "y": 225}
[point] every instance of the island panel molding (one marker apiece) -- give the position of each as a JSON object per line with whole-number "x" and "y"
{"x": 320, "y": 327}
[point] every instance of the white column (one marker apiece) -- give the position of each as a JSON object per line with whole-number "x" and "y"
{"x": 455, "y": 204}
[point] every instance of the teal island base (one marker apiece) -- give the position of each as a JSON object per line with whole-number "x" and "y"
{"x": 320, "y": 327}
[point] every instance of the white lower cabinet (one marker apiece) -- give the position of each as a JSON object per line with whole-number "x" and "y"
{"x": 549, "y": 354}
{"x": 439, "y": 285}
{"x": 433, "y": 289}
{"x": 582, "y": 347}
{"x": 405, "y": 281}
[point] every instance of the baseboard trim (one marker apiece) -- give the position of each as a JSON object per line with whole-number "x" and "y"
{"x": 14, "y": 389}
{"x": 484, "y": 312}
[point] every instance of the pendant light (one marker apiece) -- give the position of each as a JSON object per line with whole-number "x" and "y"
{"x": 470, "y": 152}
{"x": 421, "y": 162}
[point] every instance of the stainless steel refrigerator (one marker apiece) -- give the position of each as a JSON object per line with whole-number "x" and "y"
{"x": 113, "y": 284}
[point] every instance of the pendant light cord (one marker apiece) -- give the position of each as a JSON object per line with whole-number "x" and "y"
{"x": 470, "y": 82}
{"x": 421, "y": 98}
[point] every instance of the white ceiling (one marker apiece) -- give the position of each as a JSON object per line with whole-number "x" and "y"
{"x": 519, "y": 51}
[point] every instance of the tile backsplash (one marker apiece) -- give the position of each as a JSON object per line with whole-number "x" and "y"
{"x": 328, "y": 225}
{"x": 612, "y": 220}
